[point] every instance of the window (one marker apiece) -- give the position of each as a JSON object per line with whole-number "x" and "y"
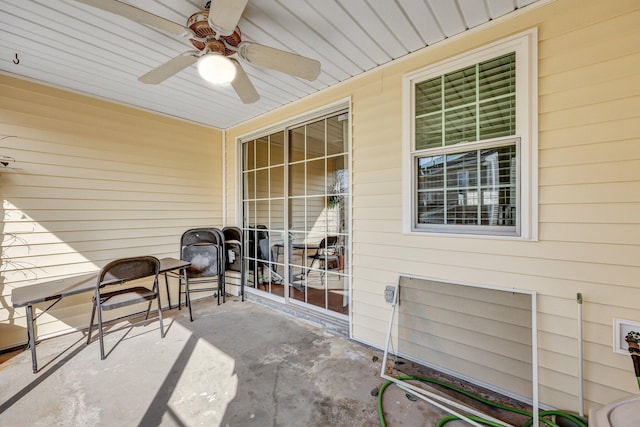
{"x": 470, "y": 142}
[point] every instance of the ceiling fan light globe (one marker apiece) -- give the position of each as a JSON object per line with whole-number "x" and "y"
{"x": 216, "y": 69}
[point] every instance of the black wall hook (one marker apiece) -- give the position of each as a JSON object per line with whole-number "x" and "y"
{"x": 17, "y": 60}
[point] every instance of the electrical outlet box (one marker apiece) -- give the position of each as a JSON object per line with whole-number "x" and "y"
{"x": 621, "y": 328}
{"x": 390, "y": 294}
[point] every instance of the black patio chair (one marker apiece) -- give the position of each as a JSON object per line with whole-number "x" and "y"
{"x": 112, "y": 292}
{"x": 325, "y": 255}
{"x": 204, "y": 249}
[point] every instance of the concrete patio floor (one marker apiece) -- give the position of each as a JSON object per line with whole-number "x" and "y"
{"x": 237, "y": 364}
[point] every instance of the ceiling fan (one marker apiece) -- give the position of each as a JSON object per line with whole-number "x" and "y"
{"x": 214, "y": 32}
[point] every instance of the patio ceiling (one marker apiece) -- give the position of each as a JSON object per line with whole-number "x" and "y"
{"x": 77, "y": 47}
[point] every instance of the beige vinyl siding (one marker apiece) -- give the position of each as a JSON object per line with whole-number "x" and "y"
{"x": 98, "y": 181}
{"x": 484, "y": 333}
{"x": 589, "y": 193}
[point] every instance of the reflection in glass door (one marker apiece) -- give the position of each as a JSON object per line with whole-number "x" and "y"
{"x": 295, "y": 207}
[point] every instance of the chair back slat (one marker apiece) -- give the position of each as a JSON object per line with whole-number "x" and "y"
{"x": 127, "y": 269}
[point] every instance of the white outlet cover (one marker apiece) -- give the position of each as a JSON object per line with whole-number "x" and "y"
{"x": 620, "y": 329}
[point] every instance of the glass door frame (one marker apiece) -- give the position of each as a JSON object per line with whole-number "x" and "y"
{"x": 338, "y": 109}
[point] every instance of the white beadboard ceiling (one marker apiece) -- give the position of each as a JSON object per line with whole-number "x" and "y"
{"x": 70, "y": 45}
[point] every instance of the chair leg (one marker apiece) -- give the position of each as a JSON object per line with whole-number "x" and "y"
{"x": 100, "y": 333}
{"x": 181, "y": 281}
{"x": 160, "y": 316}
{"x": 219, "y": 288}
{"x": 93, "y": 315}
{"x": 148, "y": 311}
{"x": 306, "y": 272}
{"x": 187, "y": 297}
{"x": 222, "y": 288}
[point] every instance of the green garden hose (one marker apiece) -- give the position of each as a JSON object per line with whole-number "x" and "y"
{"x": 578, "y": 422}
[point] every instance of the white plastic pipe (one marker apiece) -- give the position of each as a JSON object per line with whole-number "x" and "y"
{"x": 580, "y": 363}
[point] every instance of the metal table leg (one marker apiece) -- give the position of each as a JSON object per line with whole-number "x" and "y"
{"x": 32, "y": 338}
{"x": 166, "y": 283}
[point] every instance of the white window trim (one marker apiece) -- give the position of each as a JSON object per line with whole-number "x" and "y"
{"x": 526, "y": 47}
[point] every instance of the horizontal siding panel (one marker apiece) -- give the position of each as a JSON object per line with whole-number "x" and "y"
{"x": 481, "y": 300}
{"x": 601, "y": 253}
{"x": 566, "y": 18}
{"x": 600, "y": 173}
{"x": 115, "y": 171}
{"x": 388, "y": 226}
{"x": 564, "y": 344}
{"x": 132, "y": 246}
{"x": 378, "y": 175}
{"x": 620, "y": 296}
{"x": 373, "y": 160}
{"x": 22, "y": 251}
{"x": 474, "y": 370}
{"x": 77, "y": 142}
{"x": 381, "y": 213}
{"x": 556, "y": 364}
{"x": 364, "y": 202}
{"x": 56, "y": 104}
{"x": 555, "y": 306}
{"x": 619, "y": 192}
{"x": 556, "y": 384}
{"x": 104, "y": 215}
{"x": 116, "y": 203}
{"x": 593, "y": 94}
{"x": 591, "y": 133}
{"x": 613, "y": 152}
{"x": 67, "y": 230}
{"x": 593, "y": 213}
{"x": 598, "y": 390}
{"x": 597, "y": 43}
{"x": 614, "y": 69}
{"x": 120, "y": 206}
{"x": 622, "y": 234}
{"x": 42, "y": 183}
{"x": 604, "y": 112}
{"x": 367, "y": 188}
{"x": 587, "y": 272}
{"x": 120, "y": 140}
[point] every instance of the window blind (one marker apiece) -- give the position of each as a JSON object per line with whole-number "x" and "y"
{"x": 470, "y": 104}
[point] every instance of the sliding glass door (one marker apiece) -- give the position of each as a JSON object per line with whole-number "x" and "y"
{"x": 295, "y": 213}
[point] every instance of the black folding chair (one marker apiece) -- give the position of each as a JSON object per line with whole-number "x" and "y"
{"x": 325, "y": 255}
{"x": 111, "y": 292}
{"x": 204, "y": 249}
{"x": 234, "y": 253}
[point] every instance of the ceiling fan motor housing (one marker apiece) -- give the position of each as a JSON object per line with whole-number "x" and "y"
{"x": 198, "y": 23}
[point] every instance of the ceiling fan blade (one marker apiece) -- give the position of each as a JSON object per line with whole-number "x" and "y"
{"x": 224, "y": 15}
{"x": 138, "y": 15}
{"x": 243, "y": 86}
{"x": 279, "y": 60}
{"x": 169, "y": 68}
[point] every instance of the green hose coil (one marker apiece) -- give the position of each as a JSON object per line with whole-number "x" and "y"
{"x": 578, "y": 422}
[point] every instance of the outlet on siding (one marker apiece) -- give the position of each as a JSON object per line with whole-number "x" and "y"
{"x": 621, "y": 328}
